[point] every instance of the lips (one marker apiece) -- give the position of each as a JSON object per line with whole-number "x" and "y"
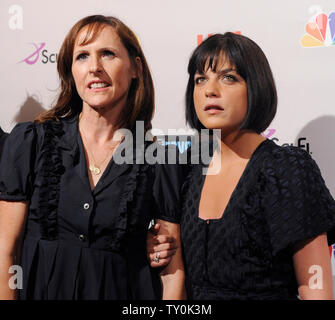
{"x": 213, "y": 107}
{"x": 98, "y": 84}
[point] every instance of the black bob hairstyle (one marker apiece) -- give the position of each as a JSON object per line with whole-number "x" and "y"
{"x": 250, "y": 63}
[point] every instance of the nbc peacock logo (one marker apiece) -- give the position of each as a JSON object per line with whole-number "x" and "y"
{"x": 320, "y": 31}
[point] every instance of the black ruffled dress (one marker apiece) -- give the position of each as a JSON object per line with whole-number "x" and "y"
{"x": 78, "y": 243}
{"x": 280, "y": 200}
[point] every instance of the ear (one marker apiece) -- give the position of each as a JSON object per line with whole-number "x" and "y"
{"x": 137, "y": 67}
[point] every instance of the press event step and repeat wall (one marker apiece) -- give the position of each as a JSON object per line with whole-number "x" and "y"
{"x": 298, "y": 37}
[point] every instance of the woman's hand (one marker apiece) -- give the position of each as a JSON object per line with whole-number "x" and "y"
{"x": 160, "y": 248}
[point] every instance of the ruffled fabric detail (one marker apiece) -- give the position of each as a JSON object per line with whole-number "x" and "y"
{"x": 128, "y": 237}
{"x": 52, "y": 169}
{"x": 125, "y": 201}
{"x": 128, "y": 213}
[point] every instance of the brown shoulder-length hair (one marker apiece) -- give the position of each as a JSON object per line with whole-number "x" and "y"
{"x": 140, "y": 102}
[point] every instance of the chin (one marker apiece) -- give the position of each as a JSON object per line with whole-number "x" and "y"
{"x": 98, "y": 104}
{"x": 213, "y": 123}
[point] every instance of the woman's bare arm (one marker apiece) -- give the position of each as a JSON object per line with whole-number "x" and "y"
{"x": 12, "y": 222}
{"x": 313, "y": 269}
{"x": 173, "y": 275}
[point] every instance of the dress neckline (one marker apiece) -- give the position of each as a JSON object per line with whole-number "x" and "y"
{"x": 237, "y": 187}
{"x": 85, "y": 167}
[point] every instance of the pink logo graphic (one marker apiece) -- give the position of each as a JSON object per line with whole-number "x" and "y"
{"x": 320, "y": 32}
{"x": 33, "y": 58}
{"x": 270, "y": 133}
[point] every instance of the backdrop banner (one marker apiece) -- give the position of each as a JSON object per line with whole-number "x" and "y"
{"x": 298, "y": 38}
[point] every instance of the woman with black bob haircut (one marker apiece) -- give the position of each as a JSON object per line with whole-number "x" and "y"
{"x": 250, "y": 63}
{"x": 256, "y": 228}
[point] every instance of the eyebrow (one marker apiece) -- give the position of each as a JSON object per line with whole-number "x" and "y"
{"x": 79, "y": 51}
{"x": 221, "y": 72}
{"x": 101, "y": 49}
{"x": 224, "y": 71}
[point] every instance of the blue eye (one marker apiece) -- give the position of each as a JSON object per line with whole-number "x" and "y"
{"x": 108, "y": 53}
{"x": 82, "y": 56}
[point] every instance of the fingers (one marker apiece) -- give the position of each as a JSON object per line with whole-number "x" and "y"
{"x": 165, "y": 245}
{"x": 162, "y": 239}
{"x": 155, "y": 228}
{"x": 160, "y": 263}
{"x": 162, "y": 254}
{"x": 162, "y": 247}
{"x": 160, "y": 244}
{"x": 164, "y": 258}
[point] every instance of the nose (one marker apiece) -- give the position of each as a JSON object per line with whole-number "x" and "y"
{"x": 95, "y": 65}
{"x": 212, "y": 89}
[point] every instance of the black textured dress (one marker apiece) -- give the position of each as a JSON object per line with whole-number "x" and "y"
{"x": 78, "y": 243}
{"x": 279, "y": 200}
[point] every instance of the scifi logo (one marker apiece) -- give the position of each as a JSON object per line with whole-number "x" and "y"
{"x": 270, "y": 133}
{"x": 301, "y": 141}
{"x": 320, "y": 31}
{"x": 33, "y": 58}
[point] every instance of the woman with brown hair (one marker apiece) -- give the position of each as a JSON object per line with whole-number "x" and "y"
{"x": 71, "y": 216}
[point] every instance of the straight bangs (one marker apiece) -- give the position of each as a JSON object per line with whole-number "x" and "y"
{"x": 209, "y": 60}
{"x": 213, "y": 56}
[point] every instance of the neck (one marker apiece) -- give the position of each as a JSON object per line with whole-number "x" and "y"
{"x": 240, "y": 144}
{"x": 99, "y": 124}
